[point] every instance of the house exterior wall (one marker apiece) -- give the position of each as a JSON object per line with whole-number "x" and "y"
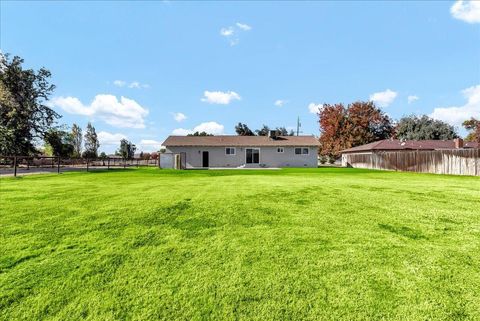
{"x": 268, "y": 157}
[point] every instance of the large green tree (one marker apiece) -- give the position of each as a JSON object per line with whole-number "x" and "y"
{"x": 282, "y": 131}
{"x": 263, "y": 131}
{"x": 473, "y": 126}
{"x": 77, "y": 140}
{"x": 423, "y": 127}
{"x": 243, "y": 130}
{"x": 91, "y": 142}
{"x": 24, "y": 116}
{"x": 60, "y": 142}
{"x": 127, "y": 149}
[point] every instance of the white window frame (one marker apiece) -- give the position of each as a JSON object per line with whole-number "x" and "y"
{"x": 282, "y": 148}
{"x": 231, "y": 148}
{"x": 301, "y": 150}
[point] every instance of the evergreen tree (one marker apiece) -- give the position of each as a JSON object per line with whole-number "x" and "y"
{"x": 77, "y": 140}
{"x": 91, "y": 142}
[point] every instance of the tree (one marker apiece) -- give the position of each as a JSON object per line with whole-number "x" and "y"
{"x": 282, "y": 131}
{"x": 243, "y": 130}
{"x": 423, "y": 128}
{"x": 473, "y": 126}
{"x": 127, "y": 149}
{"x": 7, "y": 134}
{"x": 91, "y": 142}
{"x": 60, "y": 142}
{"x": 263, "y": 131}
{"x": 334, "y": 128}
{"x": 77, "y": 140}
{"x": 197, "y": 133}
{"x": 357, "y": 124}
{"x": 24, "y": 117}
{"x": 103, "y": 157}
{"x": 367, "y": 123}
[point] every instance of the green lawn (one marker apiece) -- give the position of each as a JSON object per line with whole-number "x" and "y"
{"x": 311, "y": 244}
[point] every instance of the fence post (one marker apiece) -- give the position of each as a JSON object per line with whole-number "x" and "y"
{"x": 58, "y": 165}
{"x": 108, "y": 163}
{"x": 124, "y": 162}
{"x": 87, "y": 164}
{"x": 15, "y": 166}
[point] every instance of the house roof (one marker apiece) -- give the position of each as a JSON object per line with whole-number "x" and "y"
{"x": 240, "y": 141}
{"x": 395, "y": 144}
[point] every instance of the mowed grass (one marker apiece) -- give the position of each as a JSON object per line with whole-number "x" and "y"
{"x": 295, "y": 244}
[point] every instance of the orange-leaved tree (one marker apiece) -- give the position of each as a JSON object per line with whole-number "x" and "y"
{"x": 357, "y": 124}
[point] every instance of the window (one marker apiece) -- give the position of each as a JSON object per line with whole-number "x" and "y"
{"x": 301, "y": 151}
{"x": 279, "y": 149}
{"x": 230, "y": 151}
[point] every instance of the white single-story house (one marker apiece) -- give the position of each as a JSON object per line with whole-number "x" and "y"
{"x": 244, "y": 151}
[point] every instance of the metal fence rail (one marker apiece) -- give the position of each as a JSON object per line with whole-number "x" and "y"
{"x": 449, "y": 161}
{"x": 15, "y": 164}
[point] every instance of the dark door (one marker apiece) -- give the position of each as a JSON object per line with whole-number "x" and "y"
{"x": 205, "y": 159}
{"x": 252, "y": 155}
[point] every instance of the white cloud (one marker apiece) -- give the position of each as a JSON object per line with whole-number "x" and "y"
{"x": 280, "y": 102}
{"x": 227, "y": 32}
{"x": 149, "y": 145}
{"x": 208, "y": 127}
{"x": 179, "y": 116}
{"x": 231, "y": 33}
{"x": 468, "y": 11}
{"x": 137, "y": 85}
{"x": 384, "y": 98}
{"x": 119, "y": 83}
{"x": 107, "y": 138}
{"x": 119, "y": 113}
{"x": 220, "y": 97}
{"x": 456, "y": 115}
{"x": 314, "y": 108}
{"x": 243, "y": 26}
{"x": 133, "y": 84}
{"x": 412, "y": 98}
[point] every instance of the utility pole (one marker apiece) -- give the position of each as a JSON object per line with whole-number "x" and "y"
{"x": 298, "y": 125}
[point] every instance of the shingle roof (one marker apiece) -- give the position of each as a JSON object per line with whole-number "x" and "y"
{"x": 395, "y": 144}
{"x": 241, "y": 141}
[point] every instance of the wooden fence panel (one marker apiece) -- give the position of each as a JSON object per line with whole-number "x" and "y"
{"x": 451, "y": 161}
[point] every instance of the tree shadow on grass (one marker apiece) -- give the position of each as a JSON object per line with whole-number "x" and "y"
{"x": 403, "y": 231}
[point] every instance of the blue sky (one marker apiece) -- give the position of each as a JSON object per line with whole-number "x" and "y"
{"x": 145, "y": 70}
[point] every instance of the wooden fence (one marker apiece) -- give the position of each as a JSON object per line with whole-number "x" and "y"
{"x": 448, "y": 161}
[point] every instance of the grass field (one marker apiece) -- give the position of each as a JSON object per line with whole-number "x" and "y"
{"x": 297, "y": 244}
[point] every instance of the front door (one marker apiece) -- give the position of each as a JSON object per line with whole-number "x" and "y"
{"x": 252, "y": 155}
{"x": 205, "y": 159}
